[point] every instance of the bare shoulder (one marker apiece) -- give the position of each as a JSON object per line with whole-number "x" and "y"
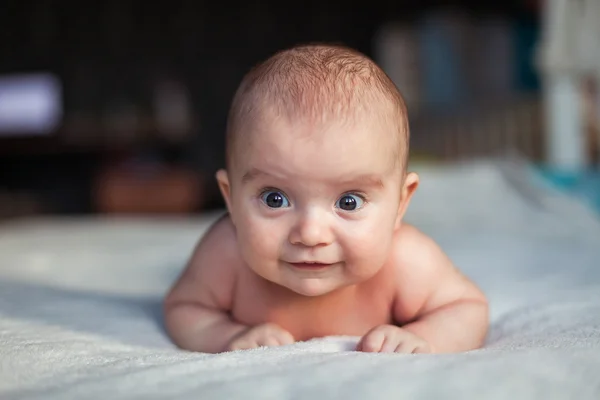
{"x": 210, "y": 274}
{"x": 413, "y": 248}
{"x": 408, "y": 236}
{"x": 426, "y": 277}
{"x": 417, "y": 258}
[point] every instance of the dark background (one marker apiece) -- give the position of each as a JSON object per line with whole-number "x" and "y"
{"x": 108, "y": 55}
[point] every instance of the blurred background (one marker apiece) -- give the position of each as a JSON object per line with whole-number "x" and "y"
{"x": 119, "y": 107}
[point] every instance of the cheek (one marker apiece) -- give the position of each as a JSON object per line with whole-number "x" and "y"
{"x": 254, "y": 238}
{"x": 370, "y": 248}
{"x": 259, "y": 238}
{"x": 367, "y": 244}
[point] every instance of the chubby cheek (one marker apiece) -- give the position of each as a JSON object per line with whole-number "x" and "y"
{"x": 259, "y": 240}
{"x": 368, "y": 248}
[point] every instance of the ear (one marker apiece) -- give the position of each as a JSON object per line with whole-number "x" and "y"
{"x": 224, "y": 187}
{"x": 411, "y": 182}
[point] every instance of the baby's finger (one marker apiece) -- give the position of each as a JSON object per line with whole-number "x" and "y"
{"x": 239, "y": 346}
{"x": 244, "y": 344}
{"x": 405, "y": 347}
{"x": 371, "y": 342}
{"x": 411, "y": 347}
{"x": 270, "y": 341}
{"x": 390, "y": 344}
{"x": 284, "y": 337}
{"x": 422, "y": 349}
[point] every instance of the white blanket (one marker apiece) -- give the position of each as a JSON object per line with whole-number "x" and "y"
{"x": 80, "y": 314}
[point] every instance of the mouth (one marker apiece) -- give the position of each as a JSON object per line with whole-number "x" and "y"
{"x": 310, "y": 265}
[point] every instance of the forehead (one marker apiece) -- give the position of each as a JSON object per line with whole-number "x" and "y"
{"x": 320, "y": 152}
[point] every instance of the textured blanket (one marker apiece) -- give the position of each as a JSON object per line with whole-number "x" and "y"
{"x": 80, "y": 307}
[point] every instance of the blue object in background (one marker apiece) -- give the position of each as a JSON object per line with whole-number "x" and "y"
{"x": 526, "y": 35}
{"x": 439, "y": 39}
{"x": 584, "y": 185}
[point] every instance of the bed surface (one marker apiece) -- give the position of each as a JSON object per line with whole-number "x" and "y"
{"x": 80, "y": 313}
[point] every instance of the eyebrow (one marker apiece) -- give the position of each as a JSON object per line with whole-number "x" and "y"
{"x": 359, "y": 181}
{"x": 363, "y": 181}
{"x": 254, "y": 173}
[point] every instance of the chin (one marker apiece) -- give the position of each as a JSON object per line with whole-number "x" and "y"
{"x": 312, "y": 287}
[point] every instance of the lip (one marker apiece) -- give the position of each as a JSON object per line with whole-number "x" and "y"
{"x": 310, "y": 265}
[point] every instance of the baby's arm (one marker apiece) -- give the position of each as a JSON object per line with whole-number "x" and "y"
{"x": 435, "y": 301}
{"x": 196, "y": 307}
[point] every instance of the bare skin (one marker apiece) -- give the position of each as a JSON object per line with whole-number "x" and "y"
{"x": 314, "y": 245}
{"x": 417, "y": 303}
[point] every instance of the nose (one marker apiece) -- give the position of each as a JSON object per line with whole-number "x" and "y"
{"x": 311, "y": 230}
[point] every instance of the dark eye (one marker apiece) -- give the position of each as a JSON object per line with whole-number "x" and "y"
{"x": 350, "y": 202}
{"x": 274, "y": 199}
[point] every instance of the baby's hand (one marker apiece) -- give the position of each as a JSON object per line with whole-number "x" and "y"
{"x": 261, "y": 335}
{"x": 392, "y": 339}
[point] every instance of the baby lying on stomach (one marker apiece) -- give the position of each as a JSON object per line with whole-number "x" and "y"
{"x": 314, "y": 245}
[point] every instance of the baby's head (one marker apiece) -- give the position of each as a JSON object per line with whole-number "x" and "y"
{"x": 316, "y": 182}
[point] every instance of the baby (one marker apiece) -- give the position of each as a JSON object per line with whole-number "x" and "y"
{"x": 314, "y": 244}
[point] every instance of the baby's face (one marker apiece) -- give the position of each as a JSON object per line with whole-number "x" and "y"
{"x": 315, "y": 208}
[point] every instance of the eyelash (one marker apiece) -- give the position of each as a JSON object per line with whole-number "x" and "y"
{"x": 357, "y": 193}
{"x": 269, "y": 189}
{"x": 362, "y": 195}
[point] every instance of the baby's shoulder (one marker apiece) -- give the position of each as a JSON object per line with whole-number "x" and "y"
{"x": 210, "y": 274}
{"x": 222, "y": 231}
{"x": 217, "y": 251}
{"x": 412, "y": 247}
{"x": 408, "y": 235}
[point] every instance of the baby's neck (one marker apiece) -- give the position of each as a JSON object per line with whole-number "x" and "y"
{"x": 288, "y": 295}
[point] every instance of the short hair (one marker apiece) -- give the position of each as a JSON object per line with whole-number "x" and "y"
{"x": 319, "y": 82}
